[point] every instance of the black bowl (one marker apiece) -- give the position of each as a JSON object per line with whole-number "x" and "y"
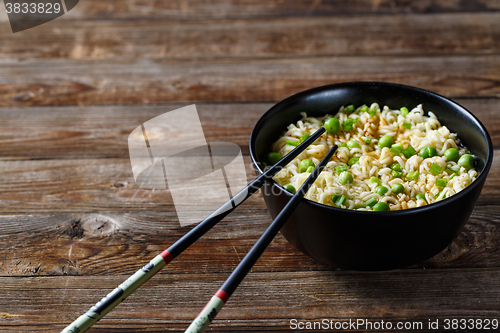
{"x": 361, "y": 240}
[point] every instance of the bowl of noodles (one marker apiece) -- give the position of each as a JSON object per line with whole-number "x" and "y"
{"x": 408, "y": 172}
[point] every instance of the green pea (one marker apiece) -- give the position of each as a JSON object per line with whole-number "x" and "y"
{"x": 289, "y": 188}
{"x": 345, "y": 178}
{"x": 332, "y": 125}
{"x": 352, "y": 144}
{"x": 353, "y": 160}
{"x": 397, "y": 188}
{"x": 385, "y": 141}
{"x": 381, "y": 207}
{"x": 432, "y": 151}
{"x": 375, "y": 180}
{"x": 349, "y": 108}
{"x": 466, "y": 161}
{"x": 428, "y": 152}
{"x": 404, "y": 111}
{"x": 310, "y": 169}
{"x": 362, "y": 109}
{"x": 451, "y": 154}
{"x": 273, "y": 158}
{"x": 421, "y": 196}
{"x": 305, "y": 164}
{"x": 381, "y": 190}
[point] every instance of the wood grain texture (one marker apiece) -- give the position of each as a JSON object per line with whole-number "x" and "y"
{"x": 73, "y": 224}
{"x": 79, "y": 82}
{"x": 122, "y": 242}
{"x": 168, "y": 302}
{"x": 178, "y": 10}
{"x": 102, "y": 131}
{"x": 75, "y": 159}
{"x": 101, "y": 185}
{"x": 411, "y": 35}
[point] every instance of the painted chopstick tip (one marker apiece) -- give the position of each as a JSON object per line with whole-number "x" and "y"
{"x": 207, "y": 315}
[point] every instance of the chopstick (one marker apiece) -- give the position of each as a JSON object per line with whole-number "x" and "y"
{"x": 206, "y": 316}
{"x": 94, "y": 314}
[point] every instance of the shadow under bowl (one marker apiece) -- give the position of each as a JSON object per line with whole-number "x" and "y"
{"x": 362, "y": 240}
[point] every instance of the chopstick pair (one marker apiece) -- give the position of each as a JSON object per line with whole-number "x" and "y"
{"x": 206, "y": 316}
{"x": 99, "y": 310}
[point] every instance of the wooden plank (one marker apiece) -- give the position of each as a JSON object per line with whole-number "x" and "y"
{"x": 79, "y": 82}
{"x": 168, "y": 302}
{"x": 203, "y": 9}
{"x": 100, "y": 185}
{"x": 99, "y": 244}
{"x": 411, "y": 35}
{"x": 488, "y": 113}
{"x": 69, "y": 174}
{"x": 102, "y": 131}
{"x": 105, "y": 184}
{"x": 121, "y": 243}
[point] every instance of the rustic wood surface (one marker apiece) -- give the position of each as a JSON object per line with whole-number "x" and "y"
{"x": 73, "y": 224}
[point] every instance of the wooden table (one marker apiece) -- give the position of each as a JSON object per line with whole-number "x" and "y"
{"x": 73, "y": 224}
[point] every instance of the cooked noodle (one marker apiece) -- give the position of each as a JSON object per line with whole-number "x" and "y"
{"x": 374, "y": 161}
